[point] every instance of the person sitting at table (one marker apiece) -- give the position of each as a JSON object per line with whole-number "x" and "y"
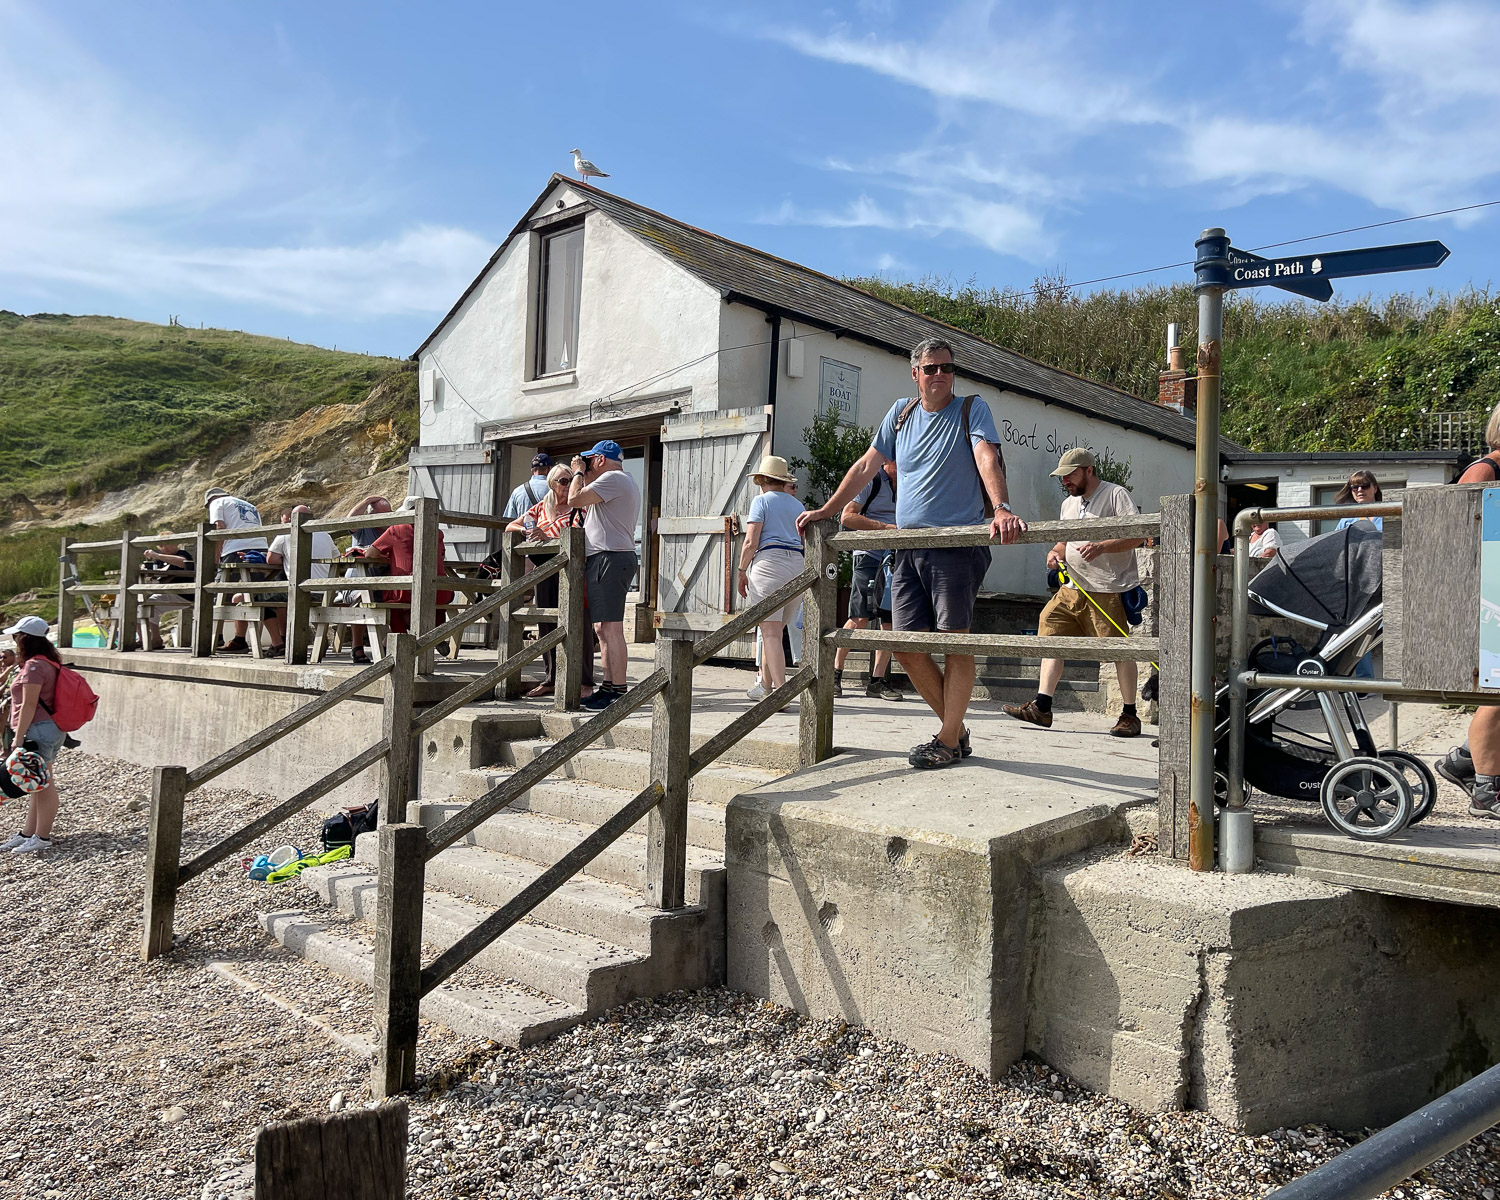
{"x": 543, "y": 521}
{"x": 359, "y": 542}
{"x": 231, "y": 512}
{"x": 397, "y": 545}
{"x": 323, "y": 550}
{"x": 169, "y": 560}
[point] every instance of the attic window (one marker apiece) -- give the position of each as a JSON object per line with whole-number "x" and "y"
{"x": 560, "y": 290}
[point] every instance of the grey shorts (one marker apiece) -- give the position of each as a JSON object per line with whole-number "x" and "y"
{"x": 610, "y": 574}
{"x": 868, "y": 597}
{"x": 935, "y": 589}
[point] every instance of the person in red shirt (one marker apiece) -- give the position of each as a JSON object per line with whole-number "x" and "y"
{"x": 397, "y": 546}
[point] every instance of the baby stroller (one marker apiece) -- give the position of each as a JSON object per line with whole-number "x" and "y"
{"x": 1331, "y": 584}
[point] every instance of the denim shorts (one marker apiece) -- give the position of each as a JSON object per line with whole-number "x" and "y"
{"x": 935, "y": 589}
{"x": 45, "y": 736}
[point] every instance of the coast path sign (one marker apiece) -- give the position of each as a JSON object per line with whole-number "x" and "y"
{"x": 1296, "y": 273}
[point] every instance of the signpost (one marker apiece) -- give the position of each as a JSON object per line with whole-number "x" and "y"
{"x": 1218, "y": 268}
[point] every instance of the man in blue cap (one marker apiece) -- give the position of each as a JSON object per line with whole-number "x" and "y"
{"x": 611, "y": 501}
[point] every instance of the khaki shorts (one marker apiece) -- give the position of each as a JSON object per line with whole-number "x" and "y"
{"x": 1069, "y": 614}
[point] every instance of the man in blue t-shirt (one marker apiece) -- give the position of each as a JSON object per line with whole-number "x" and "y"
{"x": 946, "y": 460}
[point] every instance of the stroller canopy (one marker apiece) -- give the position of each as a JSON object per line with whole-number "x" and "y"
{"x": 1333, "y": 578}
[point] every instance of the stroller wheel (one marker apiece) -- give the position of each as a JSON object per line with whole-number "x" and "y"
{"x": 1366, "y": 798}
{"x": 1419, "y": 778}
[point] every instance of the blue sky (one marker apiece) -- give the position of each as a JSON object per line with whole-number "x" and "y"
{"x": 337, "y": 172}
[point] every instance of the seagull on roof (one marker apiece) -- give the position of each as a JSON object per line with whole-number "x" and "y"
{"x": 586, "y": 168}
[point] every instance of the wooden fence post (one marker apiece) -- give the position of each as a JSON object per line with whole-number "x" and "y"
{"x": 400, "y": 764}
{"x": 572, "y": 615}
{"x": 1174, "y": 626}
{"x": 128, "y": 603}
{"x": 298, "y": 600}
{"x": 424, "y": 569}
{"x": 671, "y": 749}
{"x": 67, "y": 567}
{"x": 163, "y": 858}
{"x": 357, "y": 1154}
{"x": 398, "y": 956}
{"x": 205, "y": 564}
{"x": 819, "y": 619}
{"x": 512, "y": 631}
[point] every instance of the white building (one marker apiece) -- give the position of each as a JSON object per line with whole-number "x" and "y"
{"x": 599, "y": 318}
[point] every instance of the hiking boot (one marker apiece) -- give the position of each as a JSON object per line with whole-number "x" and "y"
{"x": 1129, "y": 725}
{"x": 880, "y": 689}
{"x": 1457, "y": 767}
{"x": 1485, "y": 799}
{"x": 1030, "y": 713}
{"x": 602, "y": 698}
{"x": 233, "y": 646}
{"x": 838, "y": 685}
{"x": 935, "y": 754}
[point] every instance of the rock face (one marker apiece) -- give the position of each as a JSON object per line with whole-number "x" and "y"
{"x": 328, "y": 458}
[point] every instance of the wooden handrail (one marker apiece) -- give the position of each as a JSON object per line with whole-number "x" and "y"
{"x": 496, "y": 599}
{"x": 769, "y": 705}
{"x": 259, "y": 740}
{"x": 515, "y": 909}
{"x": 744, "y": 623}
{"x": 477, "y": 812}
{"x": 289, "y": 807}
{"x": 1084, "y": 649}
{"x": 1142, "y": 525}
{"x": 486, "y": 682}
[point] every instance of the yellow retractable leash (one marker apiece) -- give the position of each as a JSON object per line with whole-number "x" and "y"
{"x": 1067, "y": 578}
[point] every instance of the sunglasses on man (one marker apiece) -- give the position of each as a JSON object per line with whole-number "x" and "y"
{"x": 935, "y": 368}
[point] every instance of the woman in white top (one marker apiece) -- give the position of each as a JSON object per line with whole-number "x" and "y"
{"x": 1264, "y": 541}
{"x": 772, "y": 557}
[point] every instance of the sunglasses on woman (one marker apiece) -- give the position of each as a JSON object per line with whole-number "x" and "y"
{"x": 934, "y": 368}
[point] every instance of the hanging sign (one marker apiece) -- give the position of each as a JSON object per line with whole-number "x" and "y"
{"x": 839, "y": 391}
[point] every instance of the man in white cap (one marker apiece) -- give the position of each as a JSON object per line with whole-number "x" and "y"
{"x": 230, "y": 512}
{"x": 1097, "y": 574}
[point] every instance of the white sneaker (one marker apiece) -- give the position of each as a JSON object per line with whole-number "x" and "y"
{"x": 757, "y": 692}
{"x": 32, "y": 844}
{"x": 13, "y": 841}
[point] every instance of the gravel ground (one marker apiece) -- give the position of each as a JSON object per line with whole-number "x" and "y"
{"x": 151, "y": 1080}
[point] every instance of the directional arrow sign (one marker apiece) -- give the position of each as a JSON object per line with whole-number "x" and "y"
{"x": 1339, "y": 264}
{"x": 1313, "y": 289}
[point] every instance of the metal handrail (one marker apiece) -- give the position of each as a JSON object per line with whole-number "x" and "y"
{"x": 1401, "y": 1150}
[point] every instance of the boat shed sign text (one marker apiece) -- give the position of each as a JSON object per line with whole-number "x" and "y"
{"x": 839, "y": 391}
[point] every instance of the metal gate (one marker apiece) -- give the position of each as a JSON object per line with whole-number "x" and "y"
{"x": 706, "y": 461}
{"x": 461, "y": 479}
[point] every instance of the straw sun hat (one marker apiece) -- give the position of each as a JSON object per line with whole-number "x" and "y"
{"x": 773, "y": 466}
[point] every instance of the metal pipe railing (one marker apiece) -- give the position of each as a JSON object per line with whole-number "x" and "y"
{"x": 1401, "y": 1150}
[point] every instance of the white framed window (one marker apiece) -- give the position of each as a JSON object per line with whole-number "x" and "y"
{"x": 559, "y": 296}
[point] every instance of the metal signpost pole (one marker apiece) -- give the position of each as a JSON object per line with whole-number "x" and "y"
{"x": 1211, "y": 270}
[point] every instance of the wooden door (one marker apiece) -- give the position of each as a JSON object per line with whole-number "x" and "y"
{"x": 706, "y": 461}
{"x": 461, "y": 479}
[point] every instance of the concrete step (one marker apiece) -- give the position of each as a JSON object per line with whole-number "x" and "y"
{"x": 630, "y": 769}
{"x": 543, "y": 839}
{"x": 776, "y": 755}
{"x": 586, "y": 803}
{"x": 583, "y": 972}
{"x": 502, "y": 1012}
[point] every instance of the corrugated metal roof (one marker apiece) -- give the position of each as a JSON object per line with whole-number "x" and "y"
{"x": 746, "y": 275}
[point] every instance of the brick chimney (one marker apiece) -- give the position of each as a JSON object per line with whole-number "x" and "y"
{"x": 1176, "y": 388}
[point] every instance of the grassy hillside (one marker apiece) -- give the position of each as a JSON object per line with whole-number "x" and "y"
{"x": 1356, "y": 375}
{"x": 91, "y": 403}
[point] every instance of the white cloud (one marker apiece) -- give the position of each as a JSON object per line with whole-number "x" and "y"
{"x": 1003, "y": 228}
{"x": 1433, "y": 53}
{"x": 107, "y": 190}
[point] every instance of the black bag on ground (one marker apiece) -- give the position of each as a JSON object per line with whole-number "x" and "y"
{"x": 348, "y": 823}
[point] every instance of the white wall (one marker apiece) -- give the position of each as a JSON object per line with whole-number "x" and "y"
{"x": 1034, "y": 437}
{"x": 641, "y": 318}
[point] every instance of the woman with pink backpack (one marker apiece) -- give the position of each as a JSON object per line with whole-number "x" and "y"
{"x": 33, "y": 699}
